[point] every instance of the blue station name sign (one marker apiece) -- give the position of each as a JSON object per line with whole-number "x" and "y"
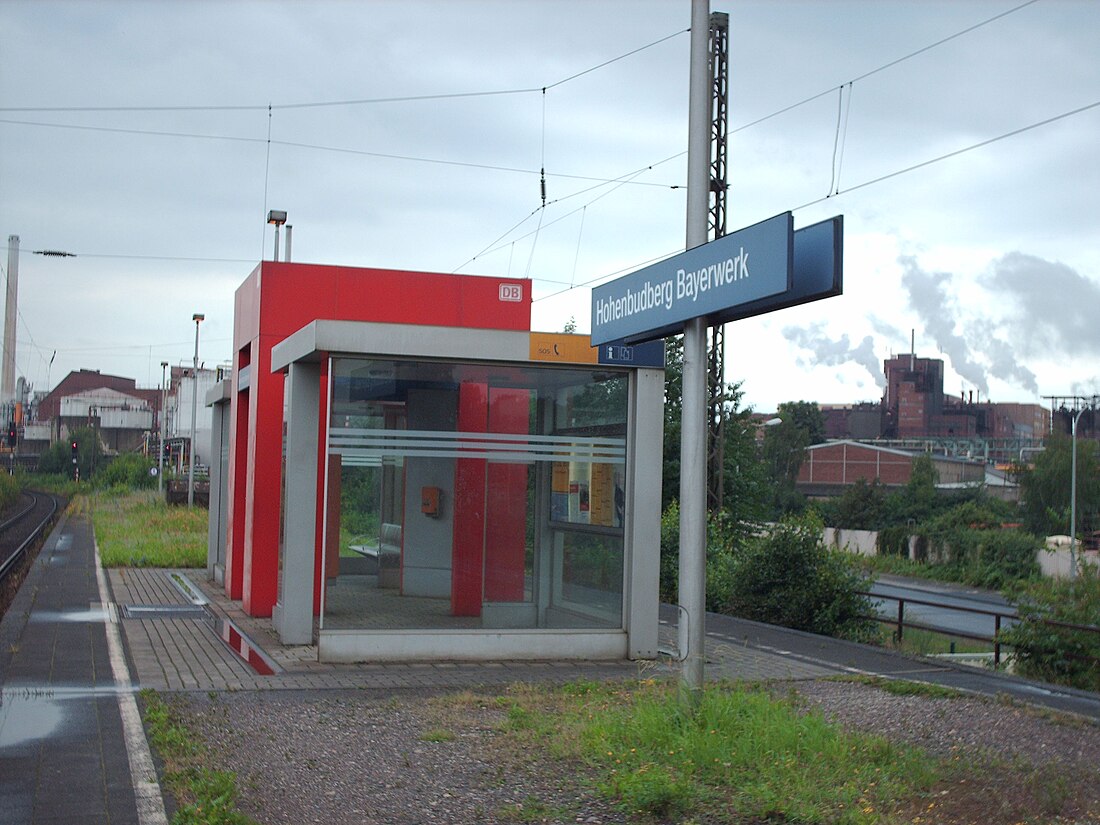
{"x": 739, "y": 268}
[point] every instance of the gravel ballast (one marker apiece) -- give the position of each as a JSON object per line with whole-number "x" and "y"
{"x": 363, "y": 757}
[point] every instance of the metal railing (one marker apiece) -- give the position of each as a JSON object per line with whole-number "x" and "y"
{"x": 999, "y": 620}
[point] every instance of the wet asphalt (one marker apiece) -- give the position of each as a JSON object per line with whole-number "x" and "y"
{"x": 63, "y": 758}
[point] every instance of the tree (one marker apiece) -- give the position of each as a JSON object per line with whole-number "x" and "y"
{"x": 789, "y": 577}
{"x": 784, "y": 447}
{"x": 744, "y": 484}
{"x": 861, "y": 507}
{"x": 1046, "y": 487}
{"x": 674, "y": 393}
{"x": 58, "y": 457}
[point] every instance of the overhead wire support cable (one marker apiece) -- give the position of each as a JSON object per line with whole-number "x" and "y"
{"x": 883, "y": 67}
{"x": 955, "y": 153}
{"x": 339, "y": 149}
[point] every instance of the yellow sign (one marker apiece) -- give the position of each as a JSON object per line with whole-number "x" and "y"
{"x": 563, "y": 348}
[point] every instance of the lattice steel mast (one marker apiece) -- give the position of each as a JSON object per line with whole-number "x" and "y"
{"x": 719, "y": 74}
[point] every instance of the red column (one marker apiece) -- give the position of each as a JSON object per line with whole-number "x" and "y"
{"x": 264, "y": 487}
{"x": 506, "y": 502}
{"x": 235, "y": 517}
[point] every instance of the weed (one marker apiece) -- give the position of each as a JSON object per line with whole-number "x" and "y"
{"x": 437, "y": 735}
{"x": 739, "y": 754}
{"x": 137, "y": 529}
{"x": 904, "y": 687}
{"x": 534, "y": 810}
{"x": 206, "y": 796}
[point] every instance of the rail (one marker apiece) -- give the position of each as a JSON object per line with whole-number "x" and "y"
{"x": 9, "y": 563}
{"x": 999, "y": 617}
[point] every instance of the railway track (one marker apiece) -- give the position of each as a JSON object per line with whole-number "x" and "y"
{"x": 21, "y": 532}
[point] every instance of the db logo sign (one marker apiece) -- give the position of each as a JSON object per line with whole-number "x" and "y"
{"x": 511, "y": 292}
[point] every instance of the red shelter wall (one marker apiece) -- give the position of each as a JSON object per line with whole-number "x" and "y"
{"x": 278, "y": 299}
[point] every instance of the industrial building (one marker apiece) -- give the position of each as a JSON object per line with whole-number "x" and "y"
{"x": 916, "y": 414}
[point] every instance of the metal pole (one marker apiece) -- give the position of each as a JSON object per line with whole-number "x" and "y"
{"x": 693, "y": 427}
{"x": 11, "y": 301}
{"x": 1073, "y": 498}
{"x": 197, "y": 318}
{"x": 163, "y": 414}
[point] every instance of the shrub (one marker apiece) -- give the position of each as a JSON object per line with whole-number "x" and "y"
{"x": 724, "y": 533}
{"x": 9, "y": 490}
{"x": 670, "y": 552}
{"x": 129, "y": 471}
{"x": 1057, "y": 654}
{"x": 791, "y": 578}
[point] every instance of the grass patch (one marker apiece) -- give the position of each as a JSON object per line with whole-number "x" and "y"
{"x": 903, "y": 687}
{"x": 931, "y": 643}
{"x": 742, "y": 756}
{"x": 437, "y": 735}
{"x": 138, "y": 529}
{"x": 206, "y": 796}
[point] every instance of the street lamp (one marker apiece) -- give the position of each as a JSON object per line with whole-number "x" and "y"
{"x": 278, "y": 218}
{"x": 163, "y": 413}
{"x": 197, "y": 318}
{"x": 1073, "y": 495}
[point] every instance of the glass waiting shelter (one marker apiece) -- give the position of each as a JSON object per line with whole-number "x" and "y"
{"x": 448, "y": 494}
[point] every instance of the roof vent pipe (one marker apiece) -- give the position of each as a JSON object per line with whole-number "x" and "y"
{"x": 287, "y": 255}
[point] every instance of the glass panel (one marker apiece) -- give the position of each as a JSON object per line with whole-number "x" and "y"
{"x": 474, "y": 496}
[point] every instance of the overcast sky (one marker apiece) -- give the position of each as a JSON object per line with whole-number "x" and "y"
{"x": 991, "y": 255}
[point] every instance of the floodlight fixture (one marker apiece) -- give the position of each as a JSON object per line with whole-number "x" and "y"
{"x": 278, "y": 218}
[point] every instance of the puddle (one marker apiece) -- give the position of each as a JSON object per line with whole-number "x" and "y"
{"x": 34, "y": 712}
{"x": 25, "y": 717}
{"x": 92, "y": 614}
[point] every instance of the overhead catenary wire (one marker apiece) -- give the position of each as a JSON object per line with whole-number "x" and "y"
{"x": 365, "y": 101}
{"x": 954, "y": 153}
{"x": 532, "y": 89}
{"x": 623, "y": 180}
{"x": 865, "y": 184}
{"x": 322, "y": 148}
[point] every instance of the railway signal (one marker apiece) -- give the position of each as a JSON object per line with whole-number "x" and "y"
{"x": 11, "y": 435}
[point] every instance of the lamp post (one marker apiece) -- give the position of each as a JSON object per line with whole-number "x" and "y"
{"x": 1073, "y": 496}
{"x": 163, "y": 413}
{"x": 277, "y": 217}
{"x": 197, "y": 318}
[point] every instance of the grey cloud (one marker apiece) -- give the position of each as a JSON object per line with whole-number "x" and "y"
{"x": 1056, "y": 305}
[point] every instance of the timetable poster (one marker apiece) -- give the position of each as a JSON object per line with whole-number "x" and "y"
{"x": 602, "y": 495}
{"x": 559, "y": 491}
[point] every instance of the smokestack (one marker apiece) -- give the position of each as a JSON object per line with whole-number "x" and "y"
{"x": 912, "y": 350}
{"x": 11, "y": 303}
